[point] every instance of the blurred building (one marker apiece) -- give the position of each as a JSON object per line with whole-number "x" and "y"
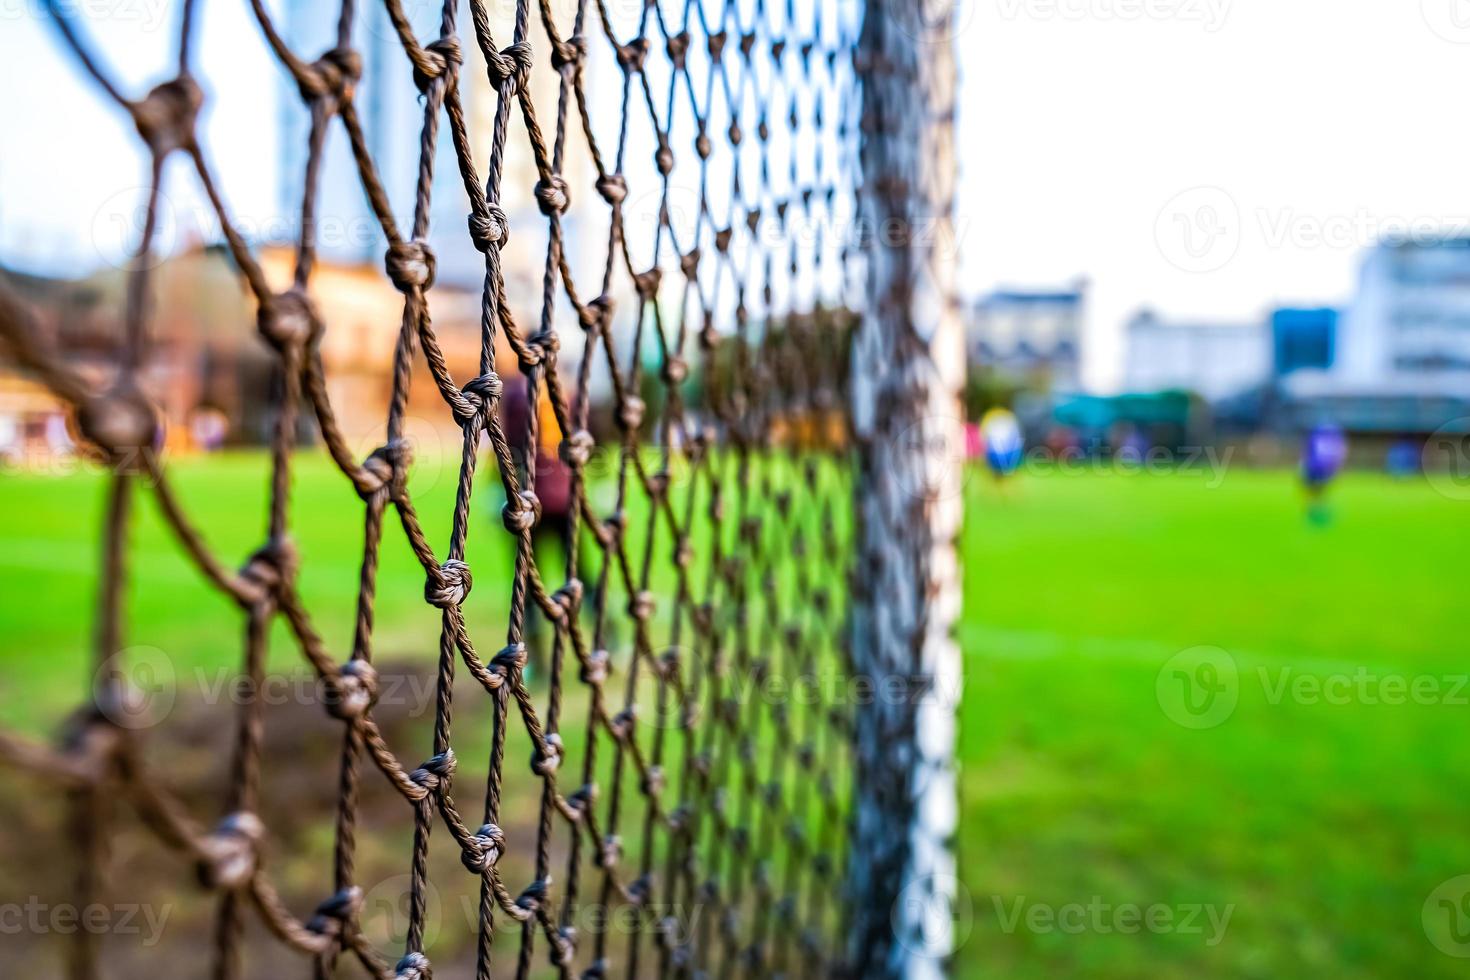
{"x": 204, "y": 352}
{"x": 1303, "y": 339}
{"x": 1030, "y": 334}
{"x": 1401, "y": 359}
{"x": 205, "y": 356}
{"x": 1212, "y": 360}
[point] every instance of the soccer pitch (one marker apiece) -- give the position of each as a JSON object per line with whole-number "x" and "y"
{"x": 1107, "y": 828}
{"x": 1302, "y": 832}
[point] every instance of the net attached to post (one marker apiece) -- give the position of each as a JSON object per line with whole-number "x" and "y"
{"x": 686, "y": 747}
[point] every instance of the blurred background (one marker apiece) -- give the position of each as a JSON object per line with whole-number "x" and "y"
{"x": 1215, "y": 264}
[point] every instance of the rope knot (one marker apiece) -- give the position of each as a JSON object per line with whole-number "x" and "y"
{"x": 611, "y": 851}
{"x": 613, "y": 188}
{"x": 530, "y": 355}
{"x": 678, "y": 47}
{"x": 581, "y": 801}
{"x": 640, "y": 890}
{"x": 352, "y": 691}
{"x": 510, "y": 71}
{"x": 489, "y": 230}
{"x": 621, "y": 725}
{"x": 663, "y": 158}
{"x": 269, "y": 568}
{"x": 386, "y": 466}
{"x": 647, "y": 282}
{"x": 441, "y": 58}
{"x": 594, "y": 670}
{"x": 347, "y": 60}
{"x": 551, "y": 195}
{"x": 165, "y": 116}
{"x": 121, "y": 422}
{"x": 531, "y": 898}
{"x": 576, "y": 449}
{"x": 509, "y": 661}
{"x": 414, "y": 966}
{"x": 448, "y": 584}
{"x": 569, "y": 54}
{"x": 568, "y": 598}
{"x": 702, "y": 145}
{"x": 522, "y": 513}
{"x": 410, "y": 265}
{"x": 630, "y": 413}
{"x": 230, "y": 854}
{"x": 546, "y": 758}
{"x": 642, "y": 605}
{"x": 632, "y": 55}
{"x": 667, "y": 929}
{"x": 598, "y": 313}
{"x": 482, "y": 851}
{"x": 437, "y": 771}
{"x": 288, "y": 319}
{"x": 542, "y": 348}
{"x": 332, "y": 76}
{"x": 335, "y": 912}
{"x": 566, "y": 946}
{"x": 652, "y": 782}
{"x": 703, "y": 617}
{"x": 480, "y": 394}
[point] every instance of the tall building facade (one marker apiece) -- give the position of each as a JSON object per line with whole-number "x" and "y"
{"x": 1402, "y": 351}
{"x": 1021, "y": 332}
{"x": 1212, "y": 360}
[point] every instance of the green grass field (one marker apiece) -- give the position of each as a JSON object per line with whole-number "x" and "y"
{"x": 1301, "y": 834}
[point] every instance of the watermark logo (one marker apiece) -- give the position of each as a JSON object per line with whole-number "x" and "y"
{"x": 929, "y": 459}
{"x": 38, "y": 917}
{"x": 1363, "y": 686}
{"x": 934, "y": 21}
{"x": 149, "y": 15}
{"x": 427, "y": 453}
{"x": 1099, "y": 917}
{"x": 1198, "y": 688}
{"x": 387, "y": 912}
{"x": 1199, "y": 230}
{"x": 933, "y": 915}
{"x": 134, "y": 687}
{"x": 669, "y": 215}
{"x": 1446, "y": 917}
{"x": 1449, "y": 19}
{"x": 1446, "y": 459}
{"x": 1208, "y": 14}
{"x": 119, "y": 223}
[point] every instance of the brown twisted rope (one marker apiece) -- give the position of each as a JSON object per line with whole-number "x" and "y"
{"x": 736, "y": 800}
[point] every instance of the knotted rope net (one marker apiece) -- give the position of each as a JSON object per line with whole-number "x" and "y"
{"x": 715, "y": 566}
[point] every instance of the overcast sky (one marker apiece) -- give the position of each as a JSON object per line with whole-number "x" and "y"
{"x": 1207, "y": 158}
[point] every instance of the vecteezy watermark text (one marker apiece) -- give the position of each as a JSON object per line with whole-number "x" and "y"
{"x": 1099, "y": 917}
{"x": 38, "y": 917}
{"x": 1201, "y": 687}
{"x": 1209, "y": 14}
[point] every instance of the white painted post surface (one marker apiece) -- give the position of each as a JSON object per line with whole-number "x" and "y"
{"x": 908, "y": 370}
